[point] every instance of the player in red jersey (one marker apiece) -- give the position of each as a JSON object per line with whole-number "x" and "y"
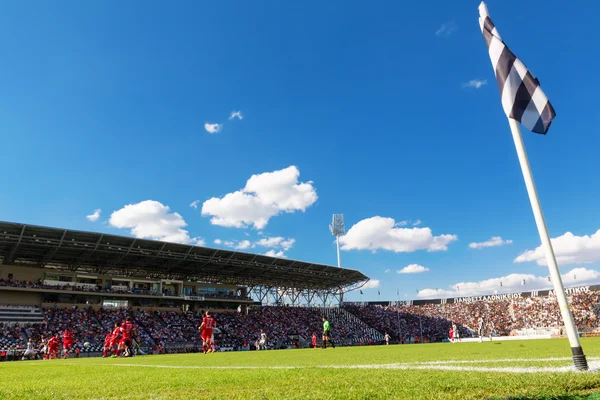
{"x": 127, "y": 330}
{"x": 314, "y": 340}
{"x": 67, "y": 338}
{"x": 108, "y": 341}
{"x": 53, "y": 344}
{"x": 115, "y": 337}
{"x": 208, "y": 323}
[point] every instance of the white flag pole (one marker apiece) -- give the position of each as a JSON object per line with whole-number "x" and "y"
{"x": 578, "y": 355}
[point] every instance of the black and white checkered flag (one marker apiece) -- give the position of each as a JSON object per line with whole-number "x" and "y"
{"x": 522, "y": 97}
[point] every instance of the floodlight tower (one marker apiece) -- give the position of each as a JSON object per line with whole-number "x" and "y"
{"x": 337, "y": 230}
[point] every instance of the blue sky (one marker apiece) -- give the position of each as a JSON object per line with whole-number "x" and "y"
{"x": 385, "y": 110}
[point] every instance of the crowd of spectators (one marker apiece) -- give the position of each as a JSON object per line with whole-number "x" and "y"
{"x": 288, "y": 326}
{"x": 501, "y": 317}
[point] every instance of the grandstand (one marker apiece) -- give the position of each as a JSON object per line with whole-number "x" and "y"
{"x": 51, "y": 279}
{"x": 164, "y": 285}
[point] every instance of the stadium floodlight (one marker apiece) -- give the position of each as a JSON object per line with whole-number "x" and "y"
{"x": 337, "y": 230}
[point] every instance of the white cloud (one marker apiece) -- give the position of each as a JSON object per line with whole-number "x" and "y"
{"x": 234, "y": 244}
{"x": 447, "y": 29}
{"x": 264, "y": 196}
{"x": 417, "y": 222}
{"x": 494, "y": 241}
{"x": 277, "y": 254}
{"x": 273, "y": 242}
{"x": 194, "y": 204}
{"x": 278, "y": 245}
{"x": 568, "y": 249}
{"x": 94, "y": 216}
{"x": 278, "y": 241}
{"x": 372, "y": 284}
{"x": 413, "y": 269}
{"x": 512, "y": 283}
{"x": 213, "y": 128}
{"x": 379, "y": 233}
{"x": 236, "y": 114}
{"x": 150, "y": 219}
{"x": 474, "y": 83}
{"x": 388, "y": 271}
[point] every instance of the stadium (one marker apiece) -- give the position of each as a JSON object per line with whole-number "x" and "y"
{"x": 159, "y": 241}
{"x": 53, "y": 280}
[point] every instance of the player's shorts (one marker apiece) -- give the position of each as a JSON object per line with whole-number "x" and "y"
{"x": 68, "y": 345}
{"x": 207, "y": 334}
{"x": 326, "y": 334}
{"x": 126, "y": 341}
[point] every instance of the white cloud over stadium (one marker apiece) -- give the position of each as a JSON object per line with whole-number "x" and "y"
{"x": 493, "y": 242}
{"x": 151, "y": 219}
{"x": 568, "y": 249}
{"x": 264, "y": 196}
{"x": 413, "y": 269}
{"x": 278, "y": 245}
{"x": 380, "y": 233}
{"x": 372, "y": 284}
{"x": 93, "y": 217}
{"x": 512, "y": 283}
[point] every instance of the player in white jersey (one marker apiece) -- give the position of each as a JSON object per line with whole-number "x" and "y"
{"x": 490, "y": 329}
{"x": 30, "y": 352}
{"x": 455, "y": 333}
{"x": 263, "y": 340}
{"x": 43, "y": 346}
{"x": 387, "y": 339}
{"x": 213, "y": 347}
{"x": 480, "y": 330}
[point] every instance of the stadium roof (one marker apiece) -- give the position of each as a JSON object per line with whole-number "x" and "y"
{"x": 107, "y": 254}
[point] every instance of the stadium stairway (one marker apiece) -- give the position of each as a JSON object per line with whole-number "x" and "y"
{"x": 21, "y": 315}
{"x": 339, "y": 316}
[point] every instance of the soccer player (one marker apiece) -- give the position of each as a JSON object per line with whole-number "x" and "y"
{"x": 30, "y": 352}
{"x": 127, "y": 330}
{"x": 43, "y": 347}
{"x": 387, "y": 339}
{"x": 314, "y": 340}
{"x": 108, "y": 343}
{"x": 327, "y": 333}
{"x": 262, "y": 343}
{"x": 67, "y": 338}
{"x": 53, "y": 344}
{"x": 480, "y": 330}
{"x": 213, "y": 344}
{"x": 206, "y": 329}
{"x": 455, "y": 332}
{"x": 115, "y": 337}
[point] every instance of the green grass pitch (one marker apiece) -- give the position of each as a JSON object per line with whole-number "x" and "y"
{"x": 490, "y": 370}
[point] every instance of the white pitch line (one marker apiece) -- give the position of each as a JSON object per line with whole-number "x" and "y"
{"x": 594, "y": 366}
{"x": 499, "y": 360}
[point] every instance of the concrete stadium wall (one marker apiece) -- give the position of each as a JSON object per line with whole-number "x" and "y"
{"x": 21, "y": 273}
{"x": 20, "y": 298}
